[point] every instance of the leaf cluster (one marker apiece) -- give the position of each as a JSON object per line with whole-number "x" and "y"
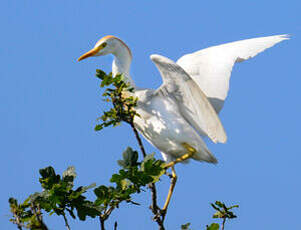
{"x": 120, "y": 94}
{"x": 60, "y": 197}
{"x": 134, "y": 174}
{"x": 26, "y": 215}
{"x": 223, "y": 212}
{"x": 130, "y": 179}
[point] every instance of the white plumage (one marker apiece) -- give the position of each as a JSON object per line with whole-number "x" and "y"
{"x": 211, "y": 68}
{"x": 184, "y": 108}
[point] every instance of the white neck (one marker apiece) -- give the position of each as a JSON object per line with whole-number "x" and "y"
{"x": 122, "y": 62}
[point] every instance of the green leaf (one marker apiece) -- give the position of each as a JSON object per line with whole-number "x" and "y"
{"x": 233, "y": 206}
{"x": 185, "y": 226}
{"x": 125, "y": 183}
{"x": 220, "y": 204}
{"x": 47, "y": 172}
{"x": 104, "y": 195}
{"x": 85, "y": 188}
{"x": 12, "y": 201}
{"x": 130, "y": 158}
{"x": 223, "y": 211}
{"x": 100, "y": 74}
{"x": 49, "y": 178}
{"x": 218, "y": 214}
{"x": 98, "y": 127}
{"x": 149, "y": 157}
{"x": 152, "y": 167}
{"x": 213, "y": 226}
{"x": 122, "y": 103}
{"x": 87, "y": 208}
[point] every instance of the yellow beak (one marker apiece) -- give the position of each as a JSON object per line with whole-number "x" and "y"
{"x": 90, "y": 53}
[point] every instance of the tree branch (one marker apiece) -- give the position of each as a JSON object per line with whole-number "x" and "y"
{"x": 102, "y": 223}
{"x": 223, "y": 224}
{"x": 138, "y": 138}
{"x": 66, "y": 222}
{"x": 37, "y": 212}
{"x": 105, "y": 216}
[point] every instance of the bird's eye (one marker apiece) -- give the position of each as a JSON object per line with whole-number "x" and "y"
{"x": 103, "y": 45}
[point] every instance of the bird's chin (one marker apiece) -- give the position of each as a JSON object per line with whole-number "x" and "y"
{"x": 102, "y": 53}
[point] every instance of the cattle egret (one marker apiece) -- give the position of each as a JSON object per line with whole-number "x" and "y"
{"x": 183, "y": 110}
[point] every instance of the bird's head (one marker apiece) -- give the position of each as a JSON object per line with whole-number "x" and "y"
{"x": 107, "y": 45}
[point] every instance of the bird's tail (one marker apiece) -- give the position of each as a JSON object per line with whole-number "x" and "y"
{"x": 204, "y": 154}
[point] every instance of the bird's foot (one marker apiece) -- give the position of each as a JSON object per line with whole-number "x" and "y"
{"x": 190, "y": 152}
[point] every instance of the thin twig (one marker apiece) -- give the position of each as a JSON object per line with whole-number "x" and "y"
{"x": 115, "y": 225}
{"x": 223, "y": 224}
{"x": 138, "y": 138}
{"x": 66, "y": 222}
{"x": 159, "y": 215}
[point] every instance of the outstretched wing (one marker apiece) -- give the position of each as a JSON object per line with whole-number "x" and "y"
{"x": 211, "y": 68}
{"x": 192, "y": 102}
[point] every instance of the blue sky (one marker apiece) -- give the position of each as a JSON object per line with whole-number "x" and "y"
{"x": 50, "y": 102}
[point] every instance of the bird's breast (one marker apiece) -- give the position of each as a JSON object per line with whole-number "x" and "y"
{"x": 161, "y": 123}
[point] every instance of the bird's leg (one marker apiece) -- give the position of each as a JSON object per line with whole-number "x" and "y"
{"x": 190, "y": 152}
{"x": 171, "y": 188}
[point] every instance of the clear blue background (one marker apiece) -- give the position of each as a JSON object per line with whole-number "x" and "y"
{"x": 50, "y": 102}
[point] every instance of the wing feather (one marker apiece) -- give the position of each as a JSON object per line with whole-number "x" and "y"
{"x": 211, "y": 68}
{"x": 192, "y": 102}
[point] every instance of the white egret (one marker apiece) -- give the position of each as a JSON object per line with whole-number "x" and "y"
{"x": 176, "y": 116}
